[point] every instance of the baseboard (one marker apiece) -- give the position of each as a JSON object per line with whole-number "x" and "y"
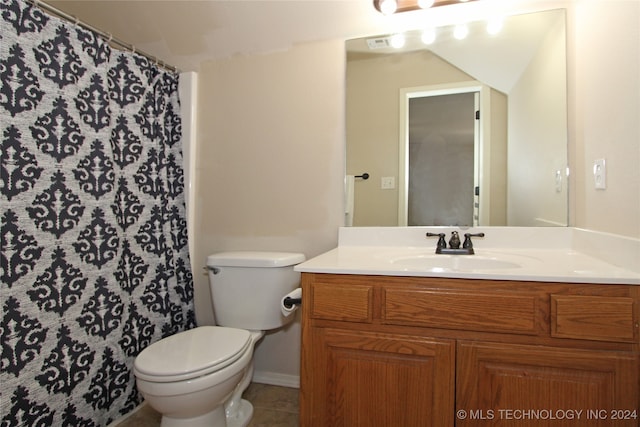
{"x": 274, "y": 378}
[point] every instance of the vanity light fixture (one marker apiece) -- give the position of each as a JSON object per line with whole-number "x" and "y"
{"x": 494, "y": 25}
{"x": 428, "y": 36}
{"x": 397, "y": 40}
{"x": 461, "y": 31}
{"x": 388, "y": 7}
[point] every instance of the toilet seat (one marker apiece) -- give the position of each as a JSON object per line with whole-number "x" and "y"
{"x": 191, "y": 354}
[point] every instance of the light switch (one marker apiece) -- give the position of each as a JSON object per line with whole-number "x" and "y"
{"x": 600, "y": 174}
{"x": 388, "y": 182}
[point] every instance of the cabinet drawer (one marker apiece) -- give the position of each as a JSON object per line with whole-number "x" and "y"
{"x": 600, "y": 318}
{"x": 454, "y": 309}
{"x": 352, "y": 303}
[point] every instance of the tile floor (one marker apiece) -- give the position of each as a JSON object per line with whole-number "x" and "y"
{"x": 273, "y": 406}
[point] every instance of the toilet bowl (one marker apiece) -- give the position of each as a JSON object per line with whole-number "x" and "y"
{"x": 191, "y": 391}
{"x": 196, "y": 378}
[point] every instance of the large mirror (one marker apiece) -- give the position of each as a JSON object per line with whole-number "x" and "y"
{"x": 462, "y": 131}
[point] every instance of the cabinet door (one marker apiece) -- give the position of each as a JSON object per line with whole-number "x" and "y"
{"x": 368, "y": 379}
{"x": 516, "y": 385}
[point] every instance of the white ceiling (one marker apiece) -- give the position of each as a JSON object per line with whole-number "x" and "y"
{"x": 185, "y": 33}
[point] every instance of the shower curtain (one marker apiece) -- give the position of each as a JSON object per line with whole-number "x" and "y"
{"x": 94, "y": 263}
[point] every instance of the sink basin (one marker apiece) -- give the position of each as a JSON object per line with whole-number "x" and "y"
{"x": 452, "y": 262}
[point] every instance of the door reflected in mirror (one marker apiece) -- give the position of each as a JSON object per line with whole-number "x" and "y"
{"x": 519, "y": 162}
{"x": 440, "y": 160}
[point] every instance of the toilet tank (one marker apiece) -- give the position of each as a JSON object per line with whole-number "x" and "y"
{"x": 247, "y": 287}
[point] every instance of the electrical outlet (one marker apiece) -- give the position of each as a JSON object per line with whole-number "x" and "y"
{"x": 388, "y": 182}
{"x": 600, "y": 174}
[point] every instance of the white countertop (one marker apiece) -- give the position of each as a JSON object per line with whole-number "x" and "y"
{"x": 505, "y": 253}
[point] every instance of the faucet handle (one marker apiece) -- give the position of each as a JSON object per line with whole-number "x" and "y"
{"x": 441, "y": 242}
{"x": 467, "y": 239}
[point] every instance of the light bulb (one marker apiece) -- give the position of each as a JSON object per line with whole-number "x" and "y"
{"x": 387, "y": 7}
{"x": 461, "y": 31}
{"x": 397, "y": 40}
{"x": 494, "y": 26}
{"x": 425, "y": 4}
{"x": 429, "y": 36}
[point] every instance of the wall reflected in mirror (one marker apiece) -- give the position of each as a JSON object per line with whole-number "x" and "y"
{"x": 518, "y": 80}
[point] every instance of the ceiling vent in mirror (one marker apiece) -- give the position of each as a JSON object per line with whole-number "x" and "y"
{"x": 378, "y": 43}
{"x": 388, "y": 7}
{"x": 395, "y": 41}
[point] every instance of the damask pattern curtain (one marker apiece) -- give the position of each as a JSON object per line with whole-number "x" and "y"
{"x": 94, "y": 263}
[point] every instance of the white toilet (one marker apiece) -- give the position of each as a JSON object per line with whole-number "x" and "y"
{"x": 196, "y": 378}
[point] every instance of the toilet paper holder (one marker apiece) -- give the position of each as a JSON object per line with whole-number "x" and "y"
{"x": 289, "y": 302}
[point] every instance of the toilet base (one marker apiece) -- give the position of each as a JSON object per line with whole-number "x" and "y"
{"x": 215, "y": 418}
{"x": 212, "y": 419}
{"x": 242, "y": 416}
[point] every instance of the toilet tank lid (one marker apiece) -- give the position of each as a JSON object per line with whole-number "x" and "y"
{"x": 254, "y": 259}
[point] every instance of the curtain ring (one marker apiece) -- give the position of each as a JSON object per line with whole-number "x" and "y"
{"x": 76, "y": 21}
{"x": 110, "y": 37}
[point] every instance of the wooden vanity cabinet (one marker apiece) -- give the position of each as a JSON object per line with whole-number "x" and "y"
{"x": 408, "y": 351}
{"x": 369, "y": 379}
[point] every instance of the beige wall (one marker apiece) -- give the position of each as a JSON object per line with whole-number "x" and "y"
{"x": 498, "y": 158}
{"x": 538, "y": 137}
{"x": 271, "y": 148}
{"x": 270, "y": 166}
{"x": 605, "y": 86}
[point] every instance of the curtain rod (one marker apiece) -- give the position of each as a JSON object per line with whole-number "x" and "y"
{"x": 114, "y": 41}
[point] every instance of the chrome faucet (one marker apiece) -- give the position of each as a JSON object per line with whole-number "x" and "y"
{"x": 454, "y": 243}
